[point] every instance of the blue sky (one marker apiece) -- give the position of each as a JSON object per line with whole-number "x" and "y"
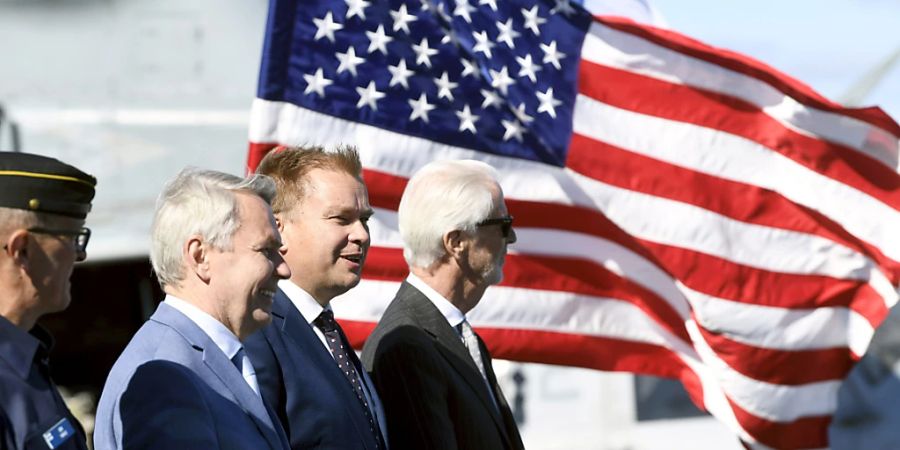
{"x": 828, "y": 44}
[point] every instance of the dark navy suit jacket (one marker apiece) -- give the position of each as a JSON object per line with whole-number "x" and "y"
{"x": 310, "y": 395}
{"x": 173, "y": 388}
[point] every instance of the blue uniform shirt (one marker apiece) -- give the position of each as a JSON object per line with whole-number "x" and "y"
{"x": 32, "y": 413}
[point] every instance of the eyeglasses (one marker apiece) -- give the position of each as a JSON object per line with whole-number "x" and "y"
{"x": 80, "y": 238}
{"x": 504, "y": 222}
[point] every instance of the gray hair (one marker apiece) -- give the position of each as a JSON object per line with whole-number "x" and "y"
{"x": 198, "y": 202}
{"x": 13, "y": 219}
{"x": 443, "y": 196}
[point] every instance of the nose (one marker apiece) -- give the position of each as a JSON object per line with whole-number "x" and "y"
{"x": 282, "y": 270}
{"x": 360, "y": 233}
{"x": 80, "y": 255}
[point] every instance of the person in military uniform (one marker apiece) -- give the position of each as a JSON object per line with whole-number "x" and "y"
{"x": 43, "y": 204}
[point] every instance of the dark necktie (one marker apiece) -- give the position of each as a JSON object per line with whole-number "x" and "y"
{"x": 346, "y": 361}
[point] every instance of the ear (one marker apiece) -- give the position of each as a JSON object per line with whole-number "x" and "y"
{"x": 17, "y": 247}
{"x": 455, "y": 244}
{"x": 196, "y": 256}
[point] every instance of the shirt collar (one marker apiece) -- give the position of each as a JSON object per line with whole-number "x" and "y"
{"x": 19, "y": 348}
{"x": 220, "y": 335}
{"x": 305, "y": 303}
{"x": 450, "y": 312}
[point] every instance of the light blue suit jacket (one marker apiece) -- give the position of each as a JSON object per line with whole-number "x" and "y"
{"x": 173, "y": 388}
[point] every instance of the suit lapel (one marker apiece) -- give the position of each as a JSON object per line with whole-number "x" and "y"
{"x": 223, "y": 369}
{"x": 450, "y": 344}
{"x": 299, "y": 332}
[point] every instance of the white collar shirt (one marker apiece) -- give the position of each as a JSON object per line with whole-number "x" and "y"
{"x": 450, "y": 312}
{"x": 306, "y": 304}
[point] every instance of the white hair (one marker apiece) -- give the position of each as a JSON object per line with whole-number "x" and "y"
{"x": 443, "y": 196}
{"x": 198, "y": 202}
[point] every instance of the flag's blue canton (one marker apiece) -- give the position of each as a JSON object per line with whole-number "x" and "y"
{"x": 491, "y": 75}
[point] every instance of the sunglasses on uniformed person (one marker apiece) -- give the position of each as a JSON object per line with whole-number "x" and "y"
{"x": 504, "y": 222}
{"x": 79, "y": 237}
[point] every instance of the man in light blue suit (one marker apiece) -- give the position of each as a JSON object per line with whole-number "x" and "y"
{"x": 307, "y": 369}
{"x": 184, "y": 381}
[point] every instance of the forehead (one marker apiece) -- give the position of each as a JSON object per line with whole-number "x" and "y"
{"x": 256, "y": 220}
{"x": 497, "y": 197}
{"x": 327, "y": 187}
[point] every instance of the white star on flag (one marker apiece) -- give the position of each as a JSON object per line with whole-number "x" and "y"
{"x": 464, "y": 9}
{"x": 513, "y": 130}
{"x": 500, "y": 80}
{"x": 548, "y": 103}
{"x": 533, "y": 19}
{"x": 483, "y": 43}
{"x": 368, "y": 96}
{"x": 519, "y": 111}
{"x": 349, "y": 61}
{"x": 445, "y": 86}
{"x": 400, "y": 74}
{"x": 490, "y": 99}
{"x": 528, "y": 69}
{"x": 424, "y": 53}
{"x": 467, "y": 120}
{"x": 552, "y": 55}
{"x": 378, "y": 40}
{"x": 325, "y": 27}
{"x": 507, "y": 33}
{"x": 402, "y": 19}
{"x": 469, "y": 67}
{"x": 420, "y": 108}
{"x": 357, "y": 8}
{"x": 316, "y": 83}
{"x": 563, "y": 6}
{"x": 491, "y": 3}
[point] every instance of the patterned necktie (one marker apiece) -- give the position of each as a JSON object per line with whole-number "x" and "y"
{"x": 242, "y": 362}
{"x": 336, "y": 343}
{"x": 471, "y": 343}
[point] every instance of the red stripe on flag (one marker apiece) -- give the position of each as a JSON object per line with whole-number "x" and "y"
{"x": 786, "y": 367}
{"x": 385, "y": 191}
{"x": 739, "y": 201}
{"x": 728, "y": 280}
{"x": 562, "y": 349}
{"x": 549, "y": 273}
{"x": 806, "y": 432}
{"x": 256, "y": 153}
{"x": 714, "y": 110}
{"x": 750, "y": 67}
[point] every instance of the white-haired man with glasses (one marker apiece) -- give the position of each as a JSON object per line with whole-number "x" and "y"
{"x": 43, "y": 205}
{"x": 432, "y": 371}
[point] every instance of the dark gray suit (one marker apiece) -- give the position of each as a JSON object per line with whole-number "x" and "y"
{"x": 433, "y": 395}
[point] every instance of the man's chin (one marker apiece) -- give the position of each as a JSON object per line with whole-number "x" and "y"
{"x": 261, "y": 317}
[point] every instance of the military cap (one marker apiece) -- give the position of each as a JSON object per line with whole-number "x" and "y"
{"x": 41, "y": 184}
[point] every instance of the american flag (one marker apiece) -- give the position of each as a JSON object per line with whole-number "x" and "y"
{"x": 682, "y": 211}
